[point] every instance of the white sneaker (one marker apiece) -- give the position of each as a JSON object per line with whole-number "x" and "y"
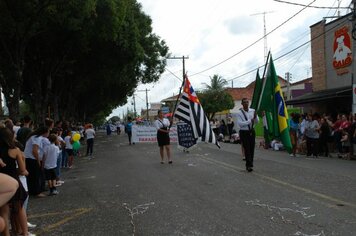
{"x": 31, "y": 234}
{"x": 31, "y": 226}
{"x": 291, "y": 155}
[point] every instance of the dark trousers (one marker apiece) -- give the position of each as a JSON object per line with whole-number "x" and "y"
{"x": 34, "y": 178}
{"x": 312, "y": 146}
{"x": 129, "y": 134}
{"x": 248, "y": 142}
{"x": 323, "y": 146}
{"x": 90, "y": 145}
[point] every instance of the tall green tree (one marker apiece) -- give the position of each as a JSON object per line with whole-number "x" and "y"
{"x": 216, "y": 83}
{"x": 82, "y": 58}
{"x": 214, "y": 98}
{"x": 18, "y": 24}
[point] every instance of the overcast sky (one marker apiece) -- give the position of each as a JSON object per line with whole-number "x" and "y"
{"x": 226, "y": 37}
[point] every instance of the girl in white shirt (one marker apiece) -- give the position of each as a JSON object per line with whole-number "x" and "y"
{"x": 50, "y": 163}
{"x": 69, "y": 149}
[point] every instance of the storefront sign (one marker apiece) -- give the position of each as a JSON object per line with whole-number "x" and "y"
{"x": 342, "y": 56}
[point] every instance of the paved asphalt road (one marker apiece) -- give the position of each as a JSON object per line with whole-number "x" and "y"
{"x": 125, "y": 190}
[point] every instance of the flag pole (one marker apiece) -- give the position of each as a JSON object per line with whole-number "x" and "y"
{"x": 180, "y": 91}
{"x": 264, "y": 80}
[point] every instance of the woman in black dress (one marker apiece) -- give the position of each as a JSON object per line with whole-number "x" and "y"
{"x": 162, "y": 124}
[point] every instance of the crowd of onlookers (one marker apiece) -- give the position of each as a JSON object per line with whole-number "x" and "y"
{"x": 317, "y": 135}
{"x": 225, "y": 131}
{"x": 311, "y": 134}
{"x": 31, "y": 159}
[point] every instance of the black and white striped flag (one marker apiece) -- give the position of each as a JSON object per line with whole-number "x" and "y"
{"x": 190, "y": 111}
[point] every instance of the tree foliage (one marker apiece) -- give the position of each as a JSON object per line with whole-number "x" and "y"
{"x": 214, "y": 98}
{"x": 78, "y": 59}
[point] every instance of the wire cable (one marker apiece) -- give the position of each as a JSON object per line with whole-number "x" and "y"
{"x": 252, "y": 44}
{"x": 318, "y": 7}
{"x": 287, "y": 53}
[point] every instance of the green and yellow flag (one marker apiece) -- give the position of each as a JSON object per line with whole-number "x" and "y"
{"x": 256, "y": 91}
{"x": 272, "y": 102}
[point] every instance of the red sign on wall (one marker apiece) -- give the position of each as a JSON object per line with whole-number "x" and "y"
{"x": 342, "y": 48}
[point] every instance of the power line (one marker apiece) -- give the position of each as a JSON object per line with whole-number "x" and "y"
{"x": 173, "y": 74}
{"x": 287, "y": 53}
{"x": 252, "y": 44}
{"x": 318, "y": 7}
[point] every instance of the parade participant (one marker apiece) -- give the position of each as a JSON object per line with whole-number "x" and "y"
{"x": 162, "y": 124}
{"x": 246, "y": 118}
{"x": 118, "y": 128}
{"x": 108, "y": 129}
{"x": 128, "y": 128}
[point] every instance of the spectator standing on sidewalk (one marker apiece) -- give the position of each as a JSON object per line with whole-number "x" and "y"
{"x": 33, "y": 153}
{"x": 90, "y": 134}
{"x": 69, "y": 150}
{"x": 12, "y": 156}
{"x": 8, "y": 187}
{"x": 293, "y": 130}
{"x": 324, "y": 137}
{"x": 24, "y": 132}
{"x": 230, "y": 125}
{"x": 50, "y": 163}
{"x": 312, "y": 128}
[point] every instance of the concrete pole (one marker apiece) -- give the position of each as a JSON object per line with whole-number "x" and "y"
{"x": 353, "y": 51}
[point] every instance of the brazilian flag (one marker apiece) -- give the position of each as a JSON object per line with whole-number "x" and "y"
{"x": 272, "y": 103}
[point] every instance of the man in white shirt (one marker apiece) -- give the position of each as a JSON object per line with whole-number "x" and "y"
{"x": 246, "y": 118}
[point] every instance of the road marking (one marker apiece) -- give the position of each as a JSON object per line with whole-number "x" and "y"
{"x": 75, "y": 213}
{"x": 281, "y": 182}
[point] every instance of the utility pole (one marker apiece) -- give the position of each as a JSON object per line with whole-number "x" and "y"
{"x": 180, "y": 89}
{"x": 353, "y": 86}
{"x": 180, "y": 58}
{"x": 134, "y": 104}
{"x": 1, "y": 110}
{"x": 146, "y": 90}
{"x": 264, "y": 31}
{"x": 288, "y": 77}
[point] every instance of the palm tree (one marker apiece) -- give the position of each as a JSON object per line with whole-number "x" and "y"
{"x": 217, "y": 83}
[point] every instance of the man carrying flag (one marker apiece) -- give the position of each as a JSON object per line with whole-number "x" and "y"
{"x": 272, "y": 103}
{"x": 190, "y": 111}
{"x": 246, "y": 118}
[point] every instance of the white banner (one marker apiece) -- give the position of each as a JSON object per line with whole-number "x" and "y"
{"x": 148, "y": 134}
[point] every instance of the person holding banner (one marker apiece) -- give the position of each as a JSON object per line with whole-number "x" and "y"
{"x": 246, "y": 118}
{"x": 162, "y": 125}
